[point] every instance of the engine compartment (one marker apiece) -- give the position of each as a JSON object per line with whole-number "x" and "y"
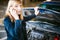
{"x": 42, "y": 31}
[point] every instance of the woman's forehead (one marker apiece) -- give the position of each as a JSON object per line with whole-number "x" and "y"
{"x": 16, "y": 3}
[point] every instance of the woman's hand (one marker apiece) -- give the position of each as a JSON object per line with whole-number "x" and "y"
{"x": 14, "y": 13}
{"x": 36, "y": 10}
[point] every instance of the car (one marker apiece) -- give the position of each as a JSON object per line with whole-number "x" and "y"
{"x": 45, "y": 26}
{"x": 53, "y": 5}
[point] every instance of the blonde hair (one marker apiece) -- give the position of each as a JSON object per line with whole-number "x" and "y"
{"x": 10, "y": 3}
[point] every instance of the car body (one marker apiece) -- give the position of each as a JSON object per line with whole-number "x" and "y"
{"x": 45, "y": 26}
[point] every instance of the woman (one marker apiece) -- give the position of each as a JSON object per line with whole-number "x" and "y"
{"x": 14, "y": 21}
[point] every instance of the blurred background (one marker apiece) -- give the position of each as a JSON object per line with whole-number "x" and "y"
{"x": 3, "y": 6}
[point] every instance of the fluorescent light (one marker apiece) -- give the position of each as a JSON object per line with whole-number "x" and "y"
{"x": 48, "y": 0}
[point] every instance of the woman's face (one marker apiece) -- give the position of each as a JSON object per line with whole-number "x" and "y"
{"x": 16, "y": 6}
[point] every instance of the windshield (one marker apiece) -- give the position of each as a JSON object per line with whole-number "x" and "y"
{"x": 52, "y": 7}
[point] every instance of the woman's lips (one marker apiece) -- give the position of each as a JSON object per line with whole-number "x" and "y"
{"x": 18, "y": 12}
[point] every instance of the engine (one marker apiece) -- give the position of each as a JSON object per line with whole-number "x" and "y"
{"x": 39, "y": 31}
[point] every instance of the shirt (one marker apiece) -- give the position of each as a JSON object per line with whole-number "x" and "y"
{"x": 16, "y": 30}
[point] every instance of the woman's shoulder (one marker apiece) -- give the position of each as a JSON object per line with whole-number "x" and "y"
{"x": 6, "y": 18}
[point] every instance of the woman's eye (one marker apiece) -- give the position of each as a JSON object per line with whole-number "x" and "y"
{"x": 11, "y": 6}
{"x": 16, "y": 6}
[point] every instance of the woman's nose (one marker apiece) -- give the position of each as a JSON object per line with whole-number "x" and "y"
{"x": 19, "y": 8}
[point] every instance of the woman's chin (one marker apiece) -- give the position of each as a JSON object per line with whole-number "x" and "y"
{"x": 18, "y": 13}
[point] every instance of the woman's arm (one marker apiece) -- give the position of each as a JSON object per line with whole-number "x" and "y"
{"x": 9, "y": 26}
{"x": 32, "y": 16}
{"x": 29, "y": 17}
{"x": 18, "y": 27}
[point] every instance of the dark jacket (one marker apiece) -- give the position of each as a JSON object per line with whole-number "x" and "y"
{"x": 16, "y": 30}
